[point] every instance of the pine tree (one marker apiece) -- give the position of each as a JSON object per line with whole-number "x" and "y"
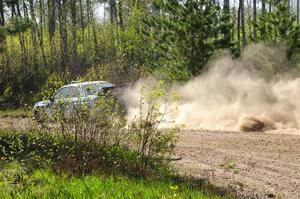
{"x": 187, "y": 34}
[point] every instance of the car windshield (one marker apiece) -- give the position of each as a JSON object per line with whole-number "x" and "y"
{"x": 90, "y": 89}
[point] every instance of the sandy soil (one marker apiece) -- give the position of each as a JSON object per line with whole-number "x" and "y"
{"x": 254, "y": 165}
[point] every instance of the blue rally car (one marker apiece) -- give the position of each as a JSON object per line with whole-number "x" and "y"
{"x": 72, "y": 95}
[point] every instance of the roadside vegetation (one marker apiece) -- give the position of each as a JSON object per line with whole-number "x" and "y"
{"x": 98, "y": 155}
{"x": 44, "y": 165}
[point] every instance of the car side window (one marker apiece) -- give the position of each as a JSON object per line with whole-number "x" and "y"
{"x": 73, "y": 92}
{"x": 91, "y": 89}
{"x": 67, "y": 92}
{"x": 62, "y": 93}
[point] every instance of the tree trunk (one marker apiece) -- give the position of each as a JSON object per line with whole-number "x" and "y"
{"x": 243, "y": 23}
{"x": 2, "y": 19}
{"x": 33, "y": 33}
{"x": 254, "y": 20}
{"x": 41, "y": 31}
{"x": 82, "y": 28}
{"x": 24, "y": 54}
{"x": 93, "y": 24}
{"x": 51, "y": 31}
{"x": 263, "y": 6}
{"x": 239, "y": 26}
{"x": 2, "y": 23}
{"x": 18, "y": 9}
{"x": 74, "y": 35}
{"x": 226, "y": 5}
{"x": 226, "y": 32}
{"x": 298, "y": 11}
{"x": 13, "y": 10}
{"x": 121, "y": 22}
{"x": 62, "y": 18}
{"x": 88, "y": 22}
{"x": 25, "y": 10}
{"x": 51, "y": 19}
{"x": 113, "y": 11}
{"x": 250, "y": 21}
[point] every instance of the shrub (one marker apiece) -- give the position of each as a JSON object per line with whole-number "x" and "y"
{"x": 105, "y": 124}
{"x": 150, "y": 141}
{"x": 44, "y": 150}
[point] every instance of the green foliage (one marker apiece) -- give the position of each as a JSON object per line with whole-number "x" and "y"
{"x": 112, "y": 71}
{"x": 18, "y": 182}
{"x": 230, "y": 164}
{"x": 151, "y": 141}
{"x": 186, "y": 35}
{"x": 293, "y": 43}
{"x": 17, "y": 25}
{"x": 18, "y": 82}
{"x": 45, "y": 150}
{"x": 274, "y": 26}
{"x": 280, "y": 26}
{"x": 52, "y": 84}
{"x": 132, "y": 45}
{"x": 32, "y": 53}
{"x": 102, "y": 122}
{"x": 105, "y": 124}
{"x": 13, "y": 27}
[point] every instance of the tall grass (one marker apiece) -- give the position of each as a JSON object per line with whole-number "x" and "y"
{"x": 17, "y": 182}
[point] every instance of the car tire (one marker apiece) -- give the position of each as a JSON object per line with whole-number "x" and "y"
{"x": 37, "y": 115}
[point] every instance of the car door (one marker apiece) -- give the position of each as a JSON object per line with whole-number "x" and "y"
{"x": 65, "y": 99}
{"x": 90, "y": 92}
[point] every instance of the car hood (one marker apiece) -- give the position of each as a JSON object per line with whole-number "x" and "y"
{"x": 43, "y": 103}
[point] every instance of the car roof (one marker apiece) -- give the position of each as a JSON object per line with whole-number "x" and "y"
{"x": 103, "y": 84}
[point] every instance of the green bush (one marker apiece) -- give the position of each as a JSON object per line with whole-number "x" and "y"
{"x": 105, "y": 123}
{"x": 150, "y": 140}
{"x": 46, "y": 150}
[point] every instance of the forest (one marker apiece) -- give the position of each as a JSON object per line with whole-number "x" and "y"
{"x": 47, "y": 43}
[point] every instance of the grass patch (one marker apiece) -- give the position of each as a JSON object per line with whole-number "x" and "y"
{"x": 16, "y": 112}
{"x": 16, "y": 182}
{"x": 230, "y": 164}
{"x": 43, "y": 165}
{"x": 64, "y": 153}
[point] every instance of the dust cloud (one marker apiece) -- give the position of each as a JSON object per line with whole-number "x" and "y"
{"x": 257, "y": 92}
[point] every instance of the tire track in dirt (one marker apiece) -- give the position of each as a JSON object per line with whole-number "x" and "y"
{"x": 254, "y": 165}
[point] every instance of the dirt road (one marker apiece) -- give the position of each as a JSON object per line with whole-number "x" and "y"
{"x": 254, "y": 165}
